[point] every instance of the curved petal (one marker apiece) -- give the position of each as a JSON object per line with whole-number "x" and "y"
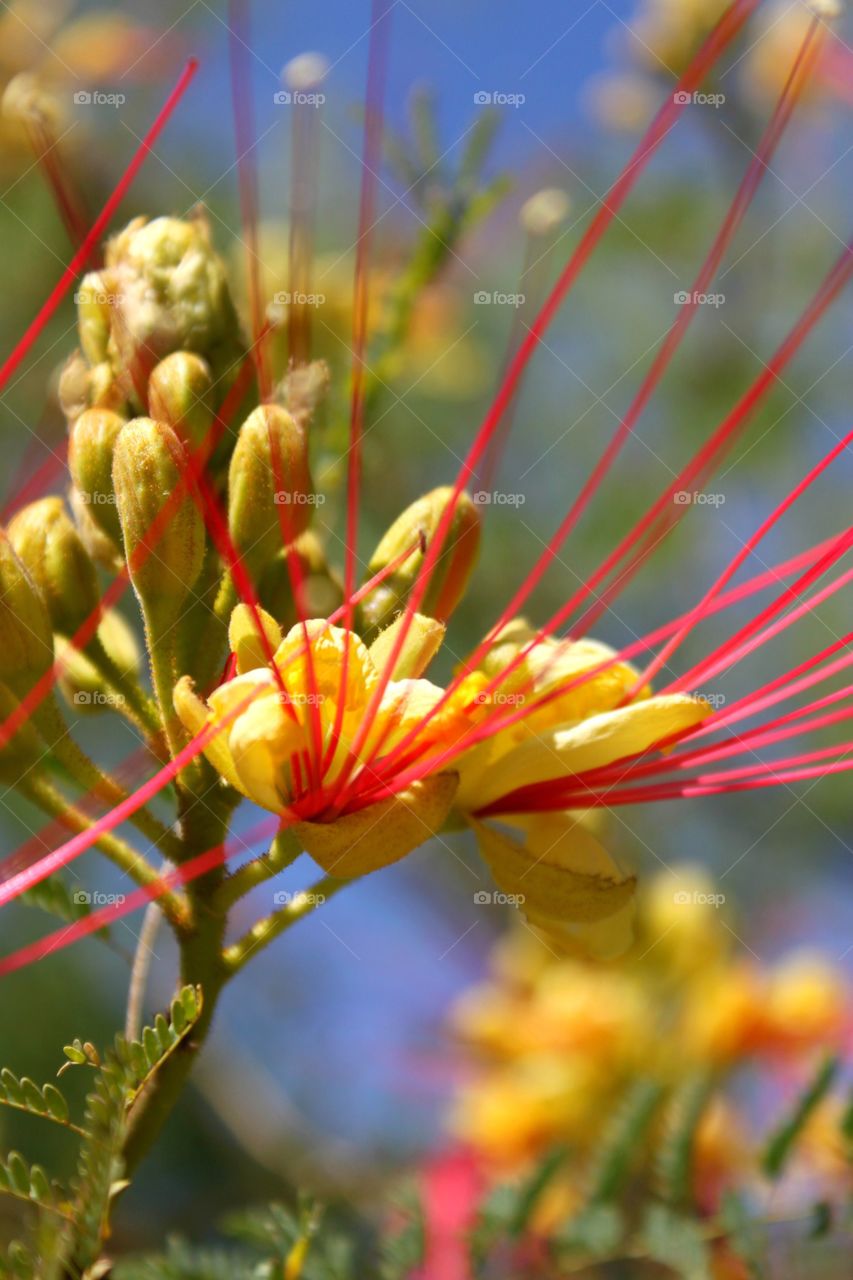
{"x": 371, "y": 838}
{"x": 590, "y": 744}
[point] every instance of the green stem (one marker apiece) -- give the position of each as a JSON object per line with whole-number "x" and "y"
{"x": 283, "y": 851}
{"x": 271, "y": 926}
{"x": 203, "y": 827}
{"x": 89, "y": 777}
{"x": 136, "y": 703}
{"x": 123, "y": 855}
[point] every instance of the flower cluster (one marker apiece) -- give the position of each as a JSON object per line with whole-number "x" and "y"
{"x": 553, "y": 1043}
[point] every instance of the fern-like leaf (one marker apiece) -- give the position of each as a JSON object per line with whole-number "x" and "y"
{"x": 782, "y": 1142}
{"x": 675, "y": 1157}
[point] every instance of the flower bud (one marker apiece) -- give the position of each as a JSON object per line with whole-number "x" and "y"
{"x": 164, "y": 553}
{"x": 26, "y": 636}
{"x": 180, "y": 394}
{"x": 82, "y": 387}
{"x": 94, "y": 316}
{"x": 53, "y": 554}
{"x": 423, "y": 641}
{"x": 415, "y": 528}
{"x": 91, "y": 446}
{"x": 100, "y": 547}
{"x": 269, "y": 485}
{"x": 171, "y": 293}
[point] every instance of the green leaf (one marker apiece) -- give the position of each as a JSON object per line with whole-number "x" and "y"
{"x": 625, "y": 1135}
{"x": 782, "y": 1142}
{"x": 676, "y": 1242}
{"x": 675, "y": 1157}
{"x": 596, "y": 1232}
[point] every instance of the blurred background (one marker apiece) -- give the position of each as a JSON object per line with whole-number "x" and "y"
{"x": 342, "y": 1027}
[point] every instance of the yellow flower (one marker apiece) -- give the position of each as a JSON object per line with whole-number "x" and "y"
{"x": 282, "y": 721}
{"x": 304, "y": 732}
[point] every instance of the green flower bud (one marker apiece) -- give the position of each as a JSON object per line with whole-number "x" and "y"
{"x": 164, "y": 553}
{"x": 100, "y": 547}
{"x": 171, "y": 293}
{"x": 82, "y": 386}
{"x": 91, "y": 445}
{"x": 26, "y": 636}
{"x": 449, "y": 577}
{"x": 52, "y": 552}
{"x": 270, "y": 494}
{"x": 94, "y": 313}
{"x": 180, "y": 393}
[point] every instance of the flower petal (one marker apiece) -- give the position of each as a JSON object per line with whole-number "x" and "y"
{"x": 561, "y": 874}
{"x": 370, "y": 838}
{"x": 590, "y": 744}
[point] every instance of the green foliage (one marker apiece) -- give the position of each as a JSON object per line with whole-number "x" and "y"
{"x": 676, "y": 1241}
{"x": 782, "y": 1142}
{"x": 675, "y": 1157}
{"x": 623, "y": 1140}
{"x": 71, "y": 1226}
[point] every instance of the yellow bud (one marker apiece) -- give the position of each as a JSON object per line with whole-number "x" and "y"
{"x": 171, "y": 292}
{"x": 91, "y": 446}
{"x": 83, "y": 386}
{"x": 269, "y": 485}
{"x": 415, "y": 528}
{"x": 99, "y": 545}
{"x": 423, "y": 641}
{"x": 94, "y": 313}
{"x": 26, "y": 636}
{"x": 51, "y": 550}
{"x": 164, "y": 553}
{"x": 180, "y": 393}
